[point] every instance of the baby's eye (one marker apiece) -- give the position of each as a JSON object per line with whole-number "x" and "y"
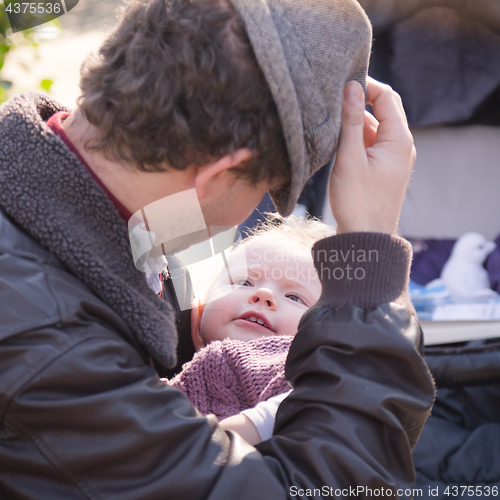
{"x": 243, "y": 282}
{"x": 296, "y": 298}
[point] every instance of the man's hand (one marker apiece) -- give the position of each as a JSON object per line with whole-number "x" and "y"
{"x": 374, "y": 161}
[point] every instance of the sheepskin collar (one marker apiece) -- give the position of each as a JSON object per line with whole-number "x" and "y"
{"x": 52, "y": 197}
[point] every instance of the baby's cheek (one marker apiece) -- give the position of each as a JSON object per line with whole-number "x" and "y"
{"x": 208, "y": 329}
{"x": 294, "y": 320}
{"x": 221, "y": 292}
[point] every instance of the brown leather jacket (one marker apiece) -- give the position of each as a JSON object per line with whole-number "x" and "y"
{"x": 83, "y": 413}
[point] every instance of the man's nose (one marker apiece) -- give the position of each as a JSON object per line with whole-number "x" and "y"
{"x": 264, "y": 296}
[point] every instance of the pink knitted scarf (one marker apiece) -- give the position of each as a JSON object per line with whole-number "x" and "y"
{"x": 229, "y": 376}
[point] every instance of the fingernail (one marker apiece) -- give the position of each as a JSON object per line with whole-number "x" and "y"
{"x": 355, "y": 94}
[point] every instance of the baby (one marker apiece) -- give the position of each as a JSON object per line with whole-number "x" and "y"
{"x": 252, "y": 309}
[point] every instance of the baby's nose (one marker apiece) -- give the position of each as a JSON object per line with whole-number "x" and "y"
{"x": 265, "y": 296}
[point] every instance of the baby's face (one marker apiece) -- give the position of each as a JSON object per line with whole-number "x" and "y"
{"x": 271, "y": 285}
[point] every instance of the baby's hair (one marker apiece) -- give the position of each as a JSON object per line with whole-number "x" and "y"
{"x": 304, "y": 231}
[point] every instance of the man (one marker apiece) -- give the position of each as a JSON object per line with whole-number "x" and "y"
{"x": 228, "y": 100}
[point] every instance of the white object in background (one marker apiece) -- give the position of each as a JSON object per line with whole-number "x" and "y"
{"x": 448, "y": 332}
{"x": 467, "y": 312}
{"x": 463, "y": 273}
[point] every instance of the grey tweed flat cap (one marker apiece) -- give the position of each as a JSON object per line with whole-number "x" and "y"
{"x": 308, "y": 50}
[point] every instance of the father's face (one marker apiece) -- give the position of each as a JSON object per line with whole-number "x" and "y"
{"x": 234, "y": 205}
{"x": 181, "y": 220}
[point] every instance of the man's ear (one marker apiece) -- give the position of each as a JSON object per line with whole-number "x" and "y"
{"x": 208, "y": 179}
{"x": 196, "y": 314}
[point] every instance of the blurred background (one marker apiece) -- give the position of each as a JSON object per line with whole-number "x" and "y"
{"x": 48, "y": 58}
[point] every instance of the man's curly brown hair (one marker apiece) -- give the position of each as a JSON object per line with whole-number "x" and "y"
{"x": 177, "y": 84}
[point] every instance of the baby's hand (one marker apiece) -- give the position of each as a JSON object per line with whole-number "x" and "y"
{"x": 256, "y": 424}
{"x": 374, "y": 161}
{"x": 243, "y": 426}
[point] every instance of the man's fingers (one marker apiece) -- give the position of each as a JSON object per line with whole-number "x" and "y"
{"x": 388, "y": 109}
{"x": 370, "y": 130}
{"x": 353, "y": 120}
{"x": 376, "y": 89}
{"x": 386, "y": 103}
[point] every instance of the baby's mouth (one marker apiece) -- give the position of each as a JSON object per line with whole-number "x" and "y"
{"x": 257, "y": 320}
{"x": 254, "y": 319}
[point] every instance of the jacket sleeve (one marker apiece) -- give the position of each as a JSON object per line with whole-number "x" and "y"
{"x": 104, "y": 426}
{"x": 362, "y": 391}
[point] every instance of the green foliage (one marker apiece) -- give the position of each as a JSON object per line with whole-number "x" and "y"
{"x": 7, "y": 43}
{"x": 4, "y": 26}
{"x": 4, "y": 89}
{"x": 4, "y": 48}
{"x": 46, "y": 84}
